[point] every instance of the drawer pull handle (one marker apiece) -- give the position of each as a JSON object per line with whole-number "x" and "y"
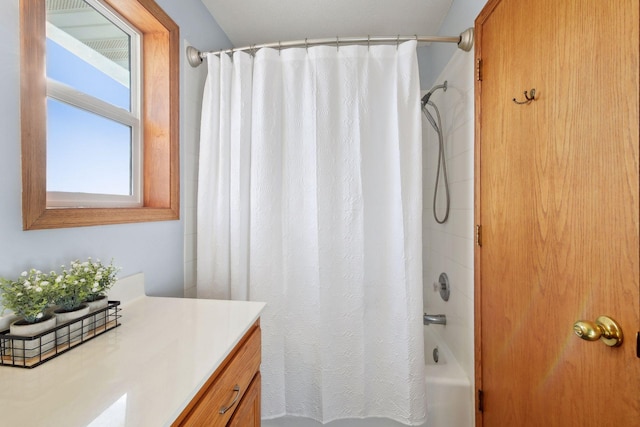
{"x": 235, "y": 399}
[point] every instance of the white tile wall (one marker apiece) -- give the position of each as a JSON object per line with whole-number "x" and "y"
{"x": 193, "y": 84}
{"x": 449, "y": 247}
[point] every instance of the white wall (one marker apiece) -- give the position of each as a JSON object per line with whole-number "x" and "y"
{"x": 449, "y": 247}
{"x": 158, "y": 248}
{"x": 193, "y": 79}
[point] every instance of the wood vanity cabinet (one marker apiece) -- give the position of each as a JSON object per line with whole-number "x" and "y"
{"x": 234, "y": 389}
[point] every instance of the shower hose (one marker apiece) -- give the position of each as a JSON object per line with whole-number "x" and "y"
{"x": 442, "y": 163}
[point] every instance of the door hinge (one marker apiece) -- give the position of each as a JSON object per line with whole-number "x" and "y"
{"x": 480, "y": 401}
{"x": 638, "y": 345}
{"x": 479, "y": 69}
{"x": 478, "y": 235}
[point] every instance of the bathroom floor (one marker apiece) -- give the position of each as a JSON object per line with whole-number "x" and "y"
{"x": 306, "y": 422}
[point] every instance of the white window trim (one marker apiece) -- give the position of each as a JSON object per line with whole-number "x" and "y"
{"x": 87, "y": 54}
{"x": 61, "y": 199}
{"x": 71, "y": 96}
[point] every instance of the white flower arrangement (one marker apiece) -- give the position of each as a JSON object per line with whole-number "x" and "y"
{"x": 103, "y": 277}
{"x": 28, "y": 296}
{"x": 70, "y": 288}
{"x": 83, "y": 281}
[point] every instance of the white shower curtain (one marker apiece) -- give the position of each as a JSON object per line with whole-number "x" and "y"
{"x": 310, "y": 199}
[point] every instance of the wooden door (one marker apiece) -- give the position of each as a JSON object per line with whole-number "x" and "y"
{"x": 557, "y": 198}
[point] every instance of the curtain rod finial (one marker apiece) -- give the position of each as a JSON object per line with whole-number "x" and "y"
{"x": 193, "y": 56}
{"x": 466, "y": 39}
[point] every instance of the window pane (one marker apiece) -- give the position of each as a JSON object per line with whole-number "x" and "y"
{"x": 86, "y": 153}
{"x": 88, "y": 52}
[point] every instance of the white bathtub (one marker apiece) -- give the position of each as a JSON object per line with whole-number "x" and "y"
{"x": 449, "y": 392}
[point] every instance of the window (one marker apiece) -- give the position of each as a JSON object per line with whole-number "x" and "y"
{"x": 122, "y": 136}
{"x": 94, "y": 136}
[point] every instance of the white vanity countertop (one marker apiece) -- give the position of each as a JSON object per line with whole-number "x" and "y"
{"x": 142, "y": 373}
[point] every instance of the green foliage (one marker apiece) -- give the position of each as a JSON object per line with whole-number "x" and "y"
{"x": 82, "y": 281}
{"x": 104, "y": 277}
{"x": 28, "y": 296}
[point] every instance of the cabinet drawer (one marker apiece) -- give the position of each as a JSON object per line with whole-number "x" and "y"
{"x": 218, "y": 392}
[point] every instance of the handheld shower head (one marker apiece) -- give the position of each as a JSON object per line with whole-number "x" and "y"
{"x": 425, "y": 98}
{"x": 442, "y": 164}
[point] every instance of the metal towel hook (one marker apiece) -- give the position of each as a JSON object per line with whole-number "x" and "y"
{"x": 529, "y": 96}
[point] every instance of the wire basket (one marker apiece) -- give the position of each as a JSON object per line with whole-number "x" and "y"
{"x": 29, "y": 352}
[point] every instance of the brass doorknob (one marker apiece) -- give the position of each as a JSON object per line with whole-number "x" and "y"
{"x": 604, "y": 328}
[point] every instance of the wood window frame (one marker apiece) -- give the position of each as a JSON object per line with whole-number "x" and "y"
{"x": 160, "y": 120}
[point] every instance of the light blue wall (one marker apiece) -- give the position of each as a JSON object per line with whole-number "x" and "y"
{"x": 433, "y": 58}
{"x": 157, "y": 249}
{"x": 196, "y": 24}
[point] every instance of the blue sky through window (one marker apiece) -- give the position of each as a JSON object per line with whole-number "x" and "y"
{"x": 86, "y": 153}
{"x": 67, "y": 68}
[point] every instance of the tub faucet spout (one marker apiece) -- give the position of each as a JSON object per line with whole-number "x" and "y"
{"x": 435, "y": 319}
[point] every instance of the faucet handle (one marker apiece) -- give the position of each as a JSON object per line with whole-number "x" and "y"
{"x": 442, "y": 286}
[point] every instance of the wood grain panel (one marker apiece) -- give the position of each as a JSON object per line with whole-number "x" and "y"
{"x": 33, "y": 110}
{"x": 239, "y": 368}
{"x": 248, "y": 413}
{"x": 557, "y": 197}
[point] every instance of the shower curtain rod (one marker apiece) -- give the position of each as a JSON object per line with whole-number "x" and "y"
{"x": 464, "y": 42}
